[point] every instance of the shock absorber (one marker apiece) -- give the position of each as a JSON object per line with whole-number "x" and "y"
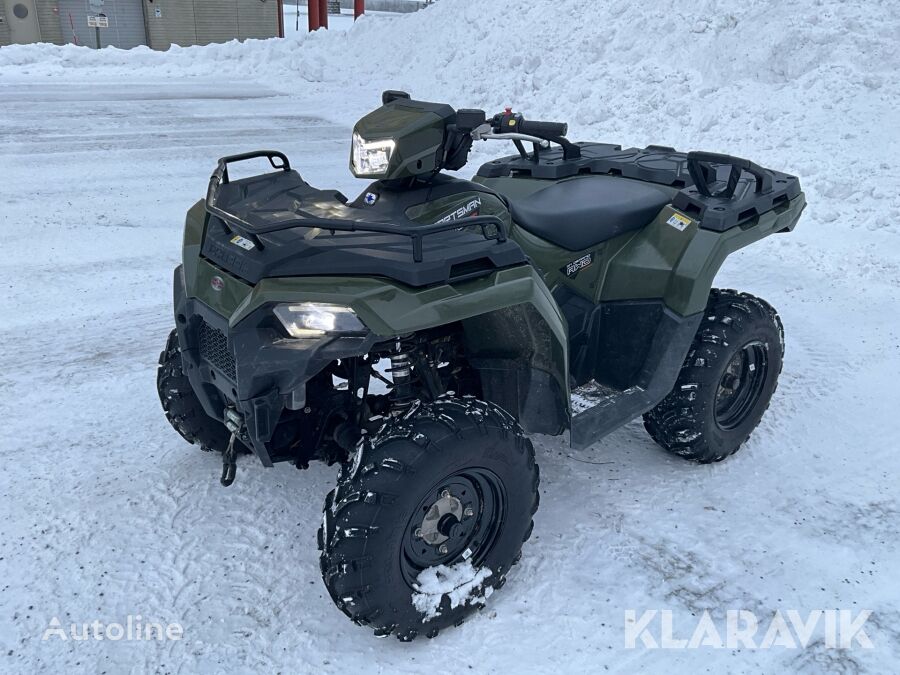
{"x": 402, "y": 393}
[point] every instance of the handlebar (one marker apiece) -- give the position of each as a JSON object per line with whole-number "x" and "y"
{"x": 513, "y": 125}
{"x": 543, "y": 129}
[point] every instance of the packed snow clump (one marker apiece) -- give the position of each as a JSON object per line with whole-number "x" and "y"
{"x": 461, "y": 583}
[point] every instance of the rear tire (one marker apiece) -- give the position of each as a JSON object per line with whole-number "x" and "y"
{"x": 183, "y": 408}
{"x": 726, "y": 382}
{"x": 451, "y": 483}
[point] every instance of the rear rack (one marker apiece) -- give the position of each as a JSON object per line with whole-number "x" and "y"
{"x": 415, "y": 231}
{"x": 717, "y": 201}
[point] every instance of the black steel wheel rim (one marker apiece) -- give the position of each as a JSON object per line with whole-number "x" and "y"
{"x": 467, "y": 532}
{"x": 741, "y": 385}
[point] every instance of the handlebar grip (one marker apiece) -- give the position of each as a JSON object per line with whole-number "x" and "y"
{"x": 542, "y": 129}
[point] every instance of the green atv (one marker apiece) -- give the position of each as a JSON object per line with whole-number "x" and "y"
{"x": 416, "y": 334}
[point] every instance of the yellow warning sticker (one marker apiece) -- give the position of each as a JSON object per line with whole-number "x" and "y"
{"x": 245, "y": 244}
{"x": 679, "y": 222}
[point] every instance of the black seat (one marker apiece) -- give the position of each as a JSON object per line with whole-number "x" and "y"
{"x": 582, "y": 212}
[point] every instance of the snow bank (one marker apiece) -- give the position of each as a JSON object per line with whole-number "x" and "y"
{"x": 460, "y": 583}
{"x": 766, "y": 79}
{"x": 114, "y": 146}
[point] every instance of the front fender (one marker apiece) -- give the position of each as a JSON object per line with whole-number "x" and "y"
{"x": 515, "y": 334}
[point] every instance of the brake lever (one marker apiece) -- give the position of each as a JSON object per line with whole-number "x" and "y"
{"x": 486, "y": 133}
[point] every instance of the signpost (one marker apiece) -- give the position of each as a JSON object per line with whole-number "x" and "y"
{"x": 97, "y": 20}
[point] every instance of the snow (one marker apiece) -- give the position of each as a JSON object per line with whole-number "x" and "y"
{"x": 461, "y": 584}
{"x": 107, "y": 513}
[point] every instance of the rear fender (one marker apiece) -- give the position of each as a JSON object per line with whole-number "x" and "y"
{"x": 678, "y": 262}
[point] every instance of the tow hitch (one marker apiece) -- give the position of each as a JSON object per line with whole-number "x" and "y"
{"x": 234, "y": 422}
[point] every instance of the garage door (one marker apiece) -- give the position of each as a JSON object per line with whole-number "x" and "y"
{"x": 124, "y": 21}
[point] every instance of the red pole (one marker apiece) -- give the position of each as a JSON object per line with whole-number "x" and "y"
{"x": 323, "y": 13}
{"x": 72, "y": 23}
{"x": 312, "y": 8}
{"x": 359, "y": 8}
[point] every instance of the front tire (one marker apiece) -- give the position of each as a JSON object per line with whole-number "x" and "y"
{"x": 726, "y": 382}
{"x": 183, "y": 408}
{"x": 450, "y": 487}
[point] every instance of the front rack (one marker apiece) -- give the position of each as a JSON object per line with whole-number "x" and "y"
{"x": 415, "y": 231}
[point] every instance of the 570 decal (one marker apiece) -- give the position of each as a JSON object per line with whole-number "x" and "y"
{"x": 574, "y": 267}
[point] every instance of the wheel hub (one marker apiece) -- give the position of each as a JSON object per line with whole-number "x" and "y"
{"x": 741, "y": 385}
{"x": 459, "y": 519}
{"x": 440, "y": 518}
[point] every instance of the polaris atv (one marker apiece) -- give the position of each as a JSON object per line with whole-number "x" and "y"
{"x": 416, "y": 334}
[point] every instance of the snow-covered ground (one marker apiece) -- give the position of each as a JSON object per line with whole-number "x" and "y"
{"x": 105, "y": 512}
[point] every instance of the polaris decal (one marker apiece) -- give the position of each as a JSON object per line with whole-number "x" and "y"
{"x": 370, "y": 198}
{"x": 574, "y": 267}
{"x": 470, "y": 209}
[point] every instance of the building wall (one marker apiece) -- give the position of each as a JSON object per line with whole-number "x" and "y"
{"x": 48, "y": 18}
{"x": 257, "y": 19}
{"x": 216, "y": 20}
{"x": 200, "y": 22}
{"x": 180, "y": 22}
{"x": 5, "y": 38}
{"x": 174, "y": 26}
{"x": 125, "y": 30}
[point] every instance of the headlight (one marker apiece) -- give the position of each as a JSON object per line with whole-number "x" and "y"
{"x": 371, "y": 158}
{"x": 315, "y": 319}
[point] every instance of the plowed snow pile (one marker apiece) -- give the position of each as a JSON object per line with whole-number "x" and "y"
{"x": 105, "y": 513}
{"x": 810, "y": 86}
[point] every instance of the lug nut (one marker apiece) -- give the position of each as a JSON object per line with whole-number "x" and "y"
{"x": 445, "y": 493}
{"x": 418, "y": 533}
{"x": 443, "y": 549}
{"x": 469, "y": 512}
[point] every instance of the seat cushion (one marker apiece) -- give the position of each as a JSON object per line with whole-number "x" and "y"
{"x": 579, "y": 213}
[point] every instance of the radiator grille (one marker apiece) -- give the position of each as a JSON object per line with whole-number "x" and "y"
{"x": 214, "y": 350}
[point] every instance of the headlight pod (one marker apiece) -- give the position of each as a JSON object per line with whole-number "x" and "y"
{"x": 371, "y": 158}
{"x": 315, "y": 319}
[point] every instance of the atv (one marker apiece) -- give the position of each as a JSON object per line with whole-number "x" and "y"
{"x": 416, "y": 334}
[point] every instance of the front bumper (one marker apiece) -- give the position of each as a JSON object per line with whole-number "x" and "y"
{"x": 251, "y": 366}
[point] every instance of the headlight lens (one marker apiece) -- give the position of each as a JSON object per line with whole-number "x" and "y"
{"x": 371, "y": 158}
{"x": 315, "y": 319}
